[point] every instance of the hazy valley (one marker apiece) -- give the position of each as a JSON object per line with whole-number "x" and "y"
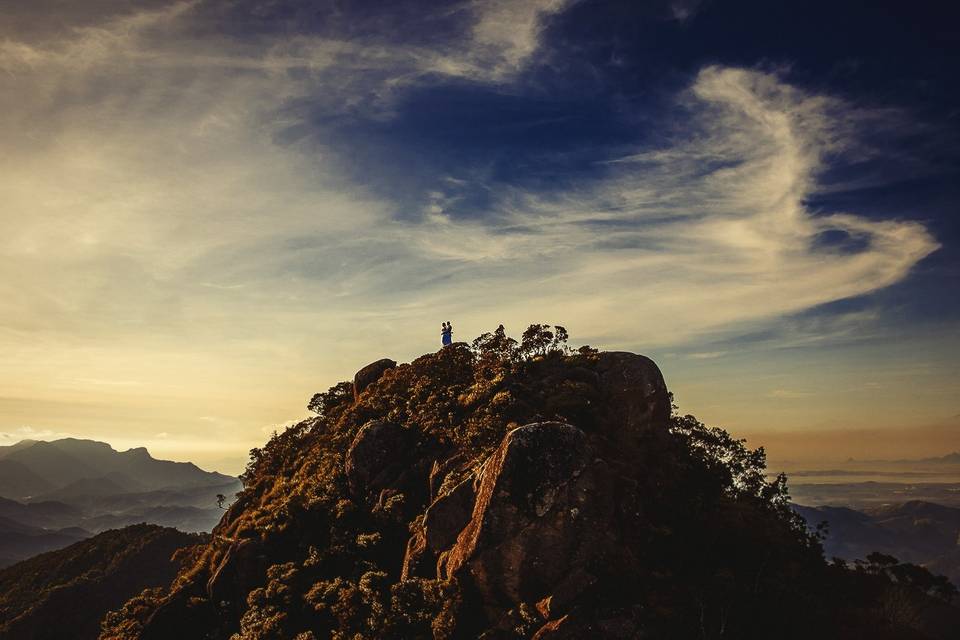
{"x": 55, "y": 493}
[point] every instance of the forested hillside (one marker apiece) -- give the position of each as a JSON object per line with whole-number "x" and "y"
{"x": 520, "y": 490}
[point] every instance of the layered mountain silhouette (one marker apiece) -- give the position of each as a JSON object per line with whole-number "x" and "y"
{"x": 915, "y": 531}
{"x": 950, "y": 458}
{"x": 55, "y": 493}
{"x": 18, "y": 540}
{"x": 17, "y": 479}
{"x": 70, "y": 467}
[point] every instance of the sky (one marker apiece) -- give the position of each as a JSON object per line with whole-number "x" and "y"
{"x": 212, "y": 209}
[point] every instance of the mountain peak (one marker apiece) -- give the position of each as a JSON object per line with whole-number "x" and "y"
{"x": 492, "y": 491}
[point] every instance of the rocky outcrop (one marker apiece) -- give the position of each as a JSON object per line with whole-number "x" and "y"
{"x": 542, "y": 521}
{"x": 421, "y": 508}
{"x": 239, "y": 568}
{"x": 375, "y": 456}
{"x": 633, "y": 392}
{"x": 370, "y": 374}
{"x": 443, "y": 521}
{"x": 539, "y": 519}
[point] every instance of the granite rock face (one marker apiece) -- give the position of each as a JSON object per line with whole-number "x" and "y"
{"x": 633, "y": 392}
{"x": 535, "y": 524}
{"x": 375, "y": 456}
{"x": 443, "y": 521}
{"x": 370, "y": 374}
{"x": 530, "y": 520}
{"x": 526, "y": 524}
{"x": 538, "y": 520}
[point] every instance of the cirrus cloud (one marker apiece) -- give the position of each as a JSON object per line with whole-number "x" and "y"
{"x": 158, "y": 219}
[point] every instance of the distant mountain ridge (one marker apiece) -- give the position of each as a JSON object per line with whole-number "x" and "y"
{"x": 950, "y": 458}
{"x": 914, "y": 531}
{"x": 18, "y": 540}
{"x": 17, "y": 479}
{"x": 37, "y": 469}
{"x": 55, "y": 493}
{"x": 44, "y": 515}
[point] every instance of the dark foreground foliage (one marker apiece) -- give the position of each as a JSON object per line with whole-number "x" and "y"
{"x": 65, "y": 593}
{"x": 705, "y": 546}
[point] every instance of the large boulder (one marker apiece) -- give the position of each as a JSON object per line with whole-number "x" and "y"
{"x": 542, "y": 520}
{"x": 241, "y": 566}
{"x": 443, "y": 521}
{"x": 633, "y": 392}
{"x": 370, "y": 374}
{"x": 375, "y": 457}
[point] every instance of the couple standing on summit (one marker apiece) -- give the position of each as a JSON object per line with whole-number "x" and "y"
{"x": 446, "y": 333}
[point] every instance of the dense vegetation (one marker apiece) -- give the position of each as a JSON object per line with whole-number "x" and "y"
{"x": 65, "y": 593}
{"x": 685, "y": 539}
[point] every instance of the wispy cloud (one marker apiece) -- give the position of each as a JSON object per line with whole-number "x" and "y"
{"x": 29, "y": 433}
{"x": 150, "y": 195}
{"x": 713, "y": 230}
{"x": 508, "y": 32}
{"x": 158, "y": 218}
{"x": 788, "y": 394}
{"x": 683, "y": 10}
{"x": 706, "y": 355}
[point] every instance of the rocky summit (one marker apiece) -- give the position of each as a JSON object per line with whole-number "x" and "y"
{"x": 506, "y": 490}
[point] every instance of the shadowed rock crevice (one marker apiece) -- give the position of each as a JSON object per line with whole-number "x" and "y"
{"x": 375, "y": 457}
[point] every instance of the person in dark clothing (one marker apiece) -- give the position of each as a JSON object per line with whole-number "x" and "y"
{"x": 446, "y": 334}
